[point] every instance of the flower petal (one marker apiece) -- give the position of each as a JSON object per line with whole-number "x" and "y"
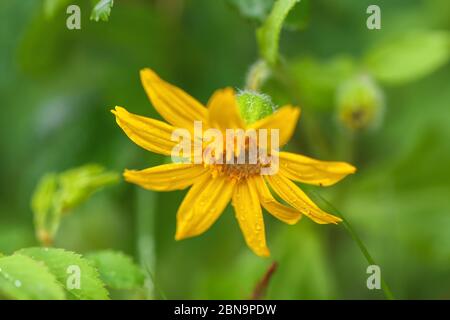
{"x": 173, "y": 104}
{"x": 166, "y": 177}
{"x": 147, "y": 133}
{"x": 284, "y": 119}
{"x": 278, "y": 210}
{"x": 202, "y": 205}
{"x": 293, "y": 195}
{"x": 249, "y": 215}
{"x": 308, "y": 170}
{"x": 223, "y": 110}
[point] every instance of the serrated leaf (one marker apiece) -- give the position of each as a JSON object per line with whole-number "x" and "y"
{"x": 62, "y": 263}
{"x": 409, "y": 57}
{"x": 269, "y": 33}
{"x": 23, "y": 278}
{"x": 117, "y": 270}
{"x": 102, "y": 10}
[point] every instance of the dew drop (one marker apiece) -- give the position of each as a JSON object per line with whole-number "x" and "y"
{"x": 18, "y": 283}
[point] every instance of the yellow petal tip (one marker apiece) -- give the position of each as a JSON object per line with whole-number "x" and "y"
{"x": 180, "y": 233}
{"x": 117, "y": 110}
{"x": 179, "y": 236}
{"x": 148, "y": 73}
{"x": 265, "y": 253}
{"x": 127, "y": 174}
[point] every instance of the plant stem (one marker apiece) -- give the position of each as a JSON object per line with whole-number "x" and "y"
{"x": 145, "y": 220}
{"x": 261, "y": 288}
{"x": 386, "y": 290}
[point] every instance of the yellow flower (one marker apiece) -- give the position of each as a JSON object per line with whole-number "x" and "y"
{"x": 213, "y": 186}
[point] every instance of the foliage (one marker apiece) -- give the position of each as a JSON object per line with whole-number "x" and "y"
{"x": 269, "y": 33}
{"x": 56, "y": 195}
{"x": 102, "y": 10}
{"x": 409, "y": 57}
{"x": 45, "y": 273}
{"x": 117, "y": 270}
{"x": 24, "y": 278}
{"x": 57, "y": 87}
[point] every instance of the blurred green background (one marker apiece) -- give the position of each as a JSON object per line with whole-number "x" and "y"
{"x": 58, "y": 85}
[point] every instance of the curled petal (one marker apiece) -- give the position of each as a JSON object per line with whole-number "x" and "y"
{"x": 147, "y": 133}
{"x": 278, "y": 210}
{"x": 293, "y": 195}
{"x": 308, "y": 170}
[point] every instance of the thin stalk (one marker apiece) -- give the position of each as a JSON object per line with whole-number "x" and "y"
{"x": 146, "y": 209}
{"x": 384, "y": 286}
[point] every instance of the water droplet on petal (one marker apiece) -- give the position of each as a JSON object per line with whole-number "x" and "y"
{"x": 18, "y": 283}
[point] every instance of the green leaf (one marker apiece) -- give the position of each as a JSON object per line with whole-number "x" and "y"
{"x": 409, "y": 57}
{"x": 117, "y": 270}
{"x": 58, "y": 194}
{"x": 102, "y": 10}
{"x": 23, "y": 278}
{"x": 45, "y": 220}
{"x": 269, "y": 33}
{"x": 61, "y": 263}
{"x": 77, "y": 185}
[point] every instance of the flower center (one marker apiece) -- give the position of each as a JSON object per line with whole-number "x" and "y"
{"x": 240, "y": 171}
{"x": 239, "y": 167}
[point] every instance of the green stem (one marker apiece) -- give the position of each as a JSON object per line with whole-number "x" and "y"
{"x": 146, "y": 208}
{"x": 386, "y": 290}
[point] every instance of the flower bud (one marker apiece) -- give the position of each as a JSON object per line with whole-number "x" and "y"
{"x": 254, "y": 106}
{"x": 360, "y": 103}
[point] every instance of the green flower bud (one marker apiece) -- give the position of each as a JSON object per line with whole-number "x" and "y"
{"x": 360, "y": 103}
{"x": 254, "y": 106}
